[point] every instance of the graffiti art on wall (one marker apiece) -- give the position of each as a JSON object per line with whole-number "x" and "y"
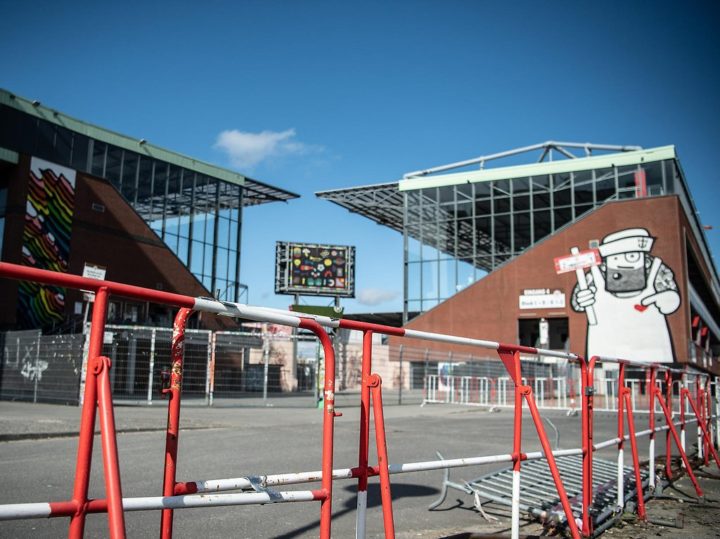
{"x": 627, "y": 298}
{"x": 46, "y": 240}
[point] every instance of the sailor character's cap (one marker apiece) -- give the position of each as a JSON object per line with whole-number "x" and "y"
{"x": 626, "y": 241}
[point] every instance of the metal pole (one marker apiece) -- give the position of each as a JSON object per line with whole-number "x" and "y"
{"x": 211, "y": 369}
{"x": 651, "y": 405}
{"x": 88, "y": 416}
{"x": 172, "y": 431}
{"x": 400, "y": 384}
{"x": 266, "y": 360}
{"x": 152, "y": 366}
{"x": 37, "y": 370}
{"x": 363, "y": 451}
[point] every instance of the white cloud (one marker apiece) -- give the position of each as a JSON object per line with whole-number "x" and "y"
{"x": 245, "y": 150}
{"x": 376, "y": 296}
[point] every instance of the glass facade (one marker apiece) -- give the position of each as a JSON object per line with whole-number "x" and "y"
{"x": 198, "y": 216}
{"x": 455, "y": 234}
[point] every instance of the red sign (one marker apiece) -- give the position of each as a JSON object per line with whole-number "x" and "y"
{"x": 581, "y": 260}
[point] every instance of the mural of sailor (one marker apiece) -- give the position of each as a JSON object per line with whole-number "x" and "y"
{"x": 631, "y": 292}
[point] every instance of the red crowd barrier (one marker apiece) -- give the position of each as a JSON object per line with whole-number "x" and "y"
{"x": 98, "y": 403}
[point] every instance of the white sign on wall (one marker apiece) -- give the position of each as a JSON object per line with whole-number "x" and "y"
{"x": 542, "y": 298}
{"x": 91, "y": 271}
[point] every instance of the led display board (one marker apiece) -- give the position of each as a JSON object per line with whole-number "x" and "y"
{"x": 314, "y": 270}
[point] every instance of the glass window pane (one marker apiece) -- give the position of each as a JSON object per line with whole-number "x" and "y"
{"x": 583, "y": 182}
{"x": 46, "y": 141}
{"x": 79, "y": 152}
{"x": 429, "y": 279}
{"x": 466, "y": 274}
{"x": 543, "y": 224}
{"x": 447, "y": 278}
{"x": 522, "y": 231}
{"x": 98, "y": 161}
{"x": 182, "y": 251}
{"x": 414, "y": 280}
{"x": 112, "y": 165}
{"x": 198, "y": 254}
{"x": 129, "y": 175}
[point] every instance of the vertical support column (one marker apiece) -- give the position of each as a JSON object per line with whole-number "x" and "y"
{"x": 173, "y": 422}
{"x": 366, "y": 369}
{"x": 88, "y": 416}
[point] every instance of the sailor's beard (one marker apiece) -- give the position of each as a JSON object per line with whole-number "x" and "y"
{"x": 625, "y": 280}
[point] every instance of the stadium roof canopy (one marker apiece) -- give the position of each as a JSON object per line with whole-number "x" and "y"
{"x": 254, "y": 192}
{"x": 384, "y": 202}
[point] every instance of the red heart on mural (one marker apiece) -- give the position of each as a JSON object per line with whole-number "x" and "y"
{"x": 640, "y": 308}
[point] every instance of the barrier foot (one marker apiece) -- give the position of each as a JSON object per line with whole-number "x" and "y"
{"x": 444, "y": 490}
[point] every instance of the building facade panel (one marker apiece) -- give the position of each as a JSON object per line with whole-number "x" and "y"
{"x": 509, "y": 304}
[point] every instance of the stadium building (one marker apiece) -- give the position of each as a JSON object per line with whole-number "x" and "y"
{"x": 75, "y": 197}
{"x": 592, "y": 249}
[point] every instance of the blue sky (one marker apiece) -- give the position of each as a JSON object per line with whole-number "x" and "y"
{"x": 320, "y": 95}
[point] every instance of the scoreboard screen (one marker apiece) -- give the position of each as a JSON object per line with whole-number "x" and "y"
{"x": 314, "y": 269}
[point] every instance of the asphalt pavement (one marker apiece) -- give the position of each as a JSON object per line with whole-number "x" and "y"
{"x": 37, "y": 461}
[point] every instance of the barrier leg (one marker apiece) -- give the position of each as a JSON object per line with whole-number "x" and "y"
{"x": 651, "y": 425}
{"x": 173, "y": 422}
{"x": 636, "y": 460}
{"x": 87, "y": 421}
{"x": 683, "y": 455}
{"x": 547, "y": 450}
{"x": 668, "y": 445}
{"x": 328, "y": 425}
{"x": 705, "y": 434}
{"x": 517, "y": 457}
{"x": 621, "y": 441}
{"x": 364, "y": 436}
{"x": 375, "y": 383}
{"x": 586, "y": 384}
{"x": 113, "y": 489}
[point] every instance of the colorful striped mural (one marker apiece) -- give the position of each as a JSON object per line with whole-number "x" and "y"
{"x": 46, "y": 241}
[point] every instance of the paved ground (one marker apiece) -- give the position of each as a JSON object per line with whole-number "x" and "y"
{"x": 37, "y": 462}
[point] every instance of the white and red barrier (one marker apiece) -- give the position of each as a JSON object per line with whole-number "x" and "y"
{"x": 177, "y": 495}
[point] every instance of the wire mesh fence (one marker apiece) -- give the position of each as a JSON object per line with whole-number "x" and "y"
{"x": 273, "y": 365}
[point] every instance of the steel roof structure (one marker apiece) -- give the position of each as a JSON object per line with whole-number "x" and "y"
{"x": 255, "y": 192}
{"x": 384, "y": 202}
